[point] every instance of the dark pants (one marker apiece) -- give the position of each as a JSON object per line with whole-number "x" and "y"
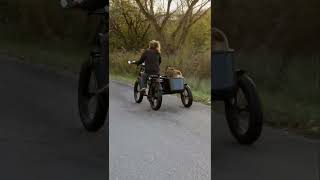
{"x": 143, "y": 80}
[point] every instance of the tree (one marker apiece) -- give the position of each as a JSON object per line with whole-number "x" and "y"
{"x": 128, "y": 24}
{"x": 172, "y": 19}
{"x": 199, "y": 36}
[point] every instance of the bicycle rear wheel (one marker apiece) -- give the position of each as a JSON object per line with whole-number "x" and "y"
{"x": 93, "y": 106}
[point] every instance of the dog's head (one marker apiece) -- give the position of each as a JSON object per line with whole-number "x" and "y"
{"x": 169, "y": 68}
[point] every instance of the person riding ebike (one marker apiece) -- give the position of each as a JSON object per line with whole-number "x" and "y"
{"x": 152, "y": 59}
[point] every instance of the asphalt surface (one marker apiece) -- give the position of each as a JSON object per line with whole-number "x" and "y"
{"x": 41, "y": 136}
{"x": 169, "y": 144}
{"x": 164, "y": 145}
{"x": 277, "y": 156}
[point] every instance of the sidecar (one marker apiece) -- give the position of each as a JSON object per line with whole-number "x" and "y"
{"x": 243, "y": 109}
{"x": 172, "y": 85}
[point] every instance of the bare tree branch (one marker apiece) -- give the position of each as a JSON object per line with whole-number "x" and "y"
{"x": 185, "y": 14}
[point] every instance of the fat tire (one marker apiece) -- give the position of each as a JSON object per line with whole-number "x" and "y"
{"x": 98, "y": 120}
{"x": 159, "y": 99}
{"x": 248, "y": 87}
{"x": 140, "y": 98}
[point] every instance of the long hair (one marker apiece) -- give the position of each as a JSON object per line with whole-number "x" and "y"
{"x": 155, "y": 45}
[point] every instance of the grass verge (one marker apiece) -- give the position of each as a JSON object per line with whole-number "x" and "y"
{"x": 56, "y": 55}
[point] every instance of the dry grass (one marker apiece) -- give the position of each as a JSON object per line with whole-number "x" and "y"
{"x": 290, "y": 98}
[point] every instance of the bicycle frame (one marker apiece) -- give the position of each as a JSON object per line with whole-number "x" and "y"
{"x": 100, "y": 52}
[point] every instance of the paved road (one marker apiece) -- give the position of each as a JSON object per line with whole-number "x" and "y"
{"x": 275, "y": 156}
{"x": 163, "y": 145}
{"x": 170, "y": 144}
{"x": 41, "y": 137}
{"x": 40, "y": 133}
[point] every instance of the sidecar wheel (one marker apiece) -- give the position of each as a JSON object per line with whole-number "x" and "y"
{"x": 138, "y": 96}
{"x": 250, "y": 131}
{"x": 186, "y": 97}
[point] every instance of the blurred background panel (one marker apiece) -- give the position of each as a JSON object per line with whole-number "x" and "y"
{"x": 41, "y": 133}
{"x": 278, "y": 43}
{"x": 43, "y": 32}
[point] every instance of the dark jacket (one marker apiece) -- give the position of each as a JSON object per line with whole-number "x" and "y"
{"x": 152, "y": 60}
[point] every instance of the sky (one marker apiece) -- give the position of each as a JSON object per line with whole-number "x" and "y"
{"x": 177, "y": 3}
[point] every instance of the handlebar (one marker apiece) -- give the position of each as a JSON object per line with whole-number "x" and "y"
{"x": 131, "y": 62}
{"x": 69, "y": 3}
{"x": 135, "y": 62}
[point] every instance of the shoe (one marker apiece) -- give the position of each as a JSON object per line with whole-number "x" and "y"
{"x": 143, "y": 89}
